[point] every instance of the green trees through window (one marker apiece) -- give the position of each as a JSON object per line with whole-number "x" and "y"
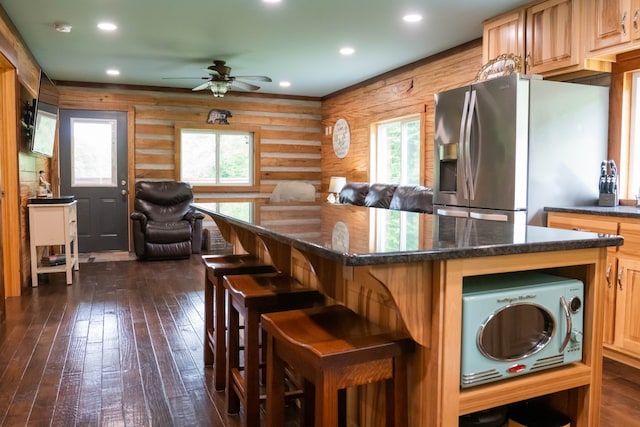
{"x": 210, "y": 157}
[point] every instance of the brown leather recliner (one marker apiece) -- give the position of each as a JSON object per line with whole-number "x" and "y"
{"x": 165, "y": 225}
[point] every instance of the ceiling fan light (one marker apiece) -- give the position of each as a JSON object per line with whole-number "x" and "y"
{"x": 219, "y": 88}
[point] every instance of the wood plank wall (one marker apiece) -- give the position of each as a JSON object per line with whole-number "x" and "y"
{"x": 17, "y": 53}
{"x": 408, "y": 92}
{"x": 290, "y": 130}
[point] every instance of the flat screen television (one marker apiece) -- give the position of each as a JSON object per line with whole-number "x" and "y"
{"x": 44, "y": 126}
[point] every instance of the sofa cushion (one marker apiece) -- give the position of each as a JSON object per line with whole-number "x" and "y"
{"x": 354, "y": 193}
{"x": 380, "y": 195}
{"x": 414, "y": 198}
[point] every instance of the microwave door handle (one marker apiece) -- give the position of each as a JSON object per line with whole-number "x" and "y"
{"x": 468, "y": 173}
{"x": 462, "y": 143}
{"x": 567, "y": 315}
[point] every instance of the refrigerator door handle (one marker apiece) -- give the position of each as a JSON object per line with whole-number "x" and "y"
{"x": 489, "y": 217}
{"x": 468, "y": 171}
{"x": 452, "y": 212}
{"x": 462, "y": 144}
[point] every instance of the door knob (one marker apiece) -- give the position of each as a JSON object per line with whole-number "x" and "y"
{"x": 124, "y": 192}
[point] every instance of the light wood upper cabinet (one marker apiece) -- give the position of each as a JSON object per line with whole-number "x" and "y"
{"x": 613, "y": 23}
{"x": 503, "y": 34}
{"x": 549, "y": 35}
{"x": 553, "y": 33}
{"x": 545, "y": 34}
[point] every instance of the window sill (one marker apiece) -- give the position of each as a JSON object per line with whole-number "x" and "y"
{"x": 225, "y": 188}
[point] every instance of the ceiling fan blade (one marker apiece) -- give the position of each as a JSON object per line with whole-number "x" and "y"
{"x": 202, "y": 86}
{"x": 244, "y": 85}
{"x": 185, "y": 78}
{"x": 257, "y": 78}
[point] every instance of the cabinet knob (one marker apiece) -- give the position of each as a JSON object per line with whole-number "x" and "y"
{"x": 608, "y": 276}
{"x": 622, "y": 23}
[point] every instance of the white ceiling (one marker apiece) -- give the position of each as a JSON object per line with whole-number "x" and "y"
{"x": 295, "y": 40}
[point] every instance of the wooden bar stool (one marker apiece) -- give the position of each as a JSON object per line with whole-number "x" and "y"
{"x": 217, "y": 266}
{"x": 333, "y": 348}
{"x": 250, "y": 296}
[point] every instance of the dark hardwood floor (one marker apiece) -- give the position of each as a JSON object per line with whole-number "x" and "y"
{"x": 122, "y": 346}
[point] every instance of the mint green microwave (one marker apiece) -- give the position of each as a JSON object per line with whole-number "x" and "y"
{"x": 518, "y": 323}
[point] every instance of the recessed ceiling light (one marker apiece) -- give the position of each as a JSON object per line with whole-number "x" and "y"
{"x": 285, "y": 83}
{"x": 412, "y": 17}
{"x": 272, "y": 1}
{"x": 347, "y": 51}
{"x": 113, "y": 72}
{"x": 107, "y": 26}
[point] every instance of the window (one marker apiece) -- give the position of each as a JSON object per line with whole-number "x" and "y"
{"x": 216, "y": 157}
{"x": 396, "y": 152}
{"x": 634, "y": 139}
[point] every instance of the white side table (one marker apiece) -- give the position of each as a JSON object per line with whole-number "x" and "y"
{"x": 53, "y": 224}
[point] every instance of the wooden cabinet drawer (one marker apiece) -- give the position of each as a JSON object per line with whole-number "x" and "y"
{"x": 631, "y": 234}
{"x": 577, "y": 222}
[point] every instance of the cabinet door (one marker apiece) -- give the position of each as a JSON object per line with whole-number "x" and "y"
{"x": 627, "y": 331}
{"x": 552, "y": 36}
{"x": 503, "y": 34}
{"x": 608, "y": 23}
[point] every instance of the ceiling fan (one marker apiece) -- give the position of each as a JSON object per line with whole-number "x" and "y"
{"x": 220, "y": 80}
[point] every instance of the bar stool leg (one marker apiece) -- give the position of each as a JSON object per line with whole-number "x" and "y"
{"x": 220, "y": 367}
{"x": 326, "y": 402}
{"x": 208, "y": 322}
{"x": 396, "y": 394}
{"x": 233, "y": 357}
{"x": 252, "y": 368}
{"x": 275, "y": 385}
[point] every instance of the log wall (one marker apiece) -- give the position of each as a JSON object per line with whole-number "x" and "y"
{"x": 407, "y": 92}
{"x": 290, "y": 131}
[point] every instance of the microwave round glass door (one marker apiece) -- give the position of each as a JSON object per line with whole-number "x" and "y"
{"x": 516, "y": 331}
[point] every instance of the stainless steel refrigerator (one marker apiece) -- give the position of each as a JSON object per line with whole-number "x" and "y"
{"x": 505, "y": 148}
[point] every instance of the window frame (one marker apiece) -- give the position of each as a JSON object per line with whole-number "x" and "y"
{"x": 420, "y": 117}
{"x": 620, "y": 106}
{"x": 252, "y": 187}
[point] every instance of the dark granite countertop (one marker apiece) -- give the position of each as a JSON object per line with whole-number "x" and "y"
{"x": 356, "y": 235}
{"x": 617, "y": 211}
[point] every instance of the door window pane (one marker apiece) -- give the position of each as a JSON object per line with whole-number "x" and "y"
{"x": 93, "y": 153}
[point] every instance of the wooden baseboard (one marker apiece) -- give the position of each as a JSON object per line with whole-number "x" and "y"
{"x": 620, "y": 356}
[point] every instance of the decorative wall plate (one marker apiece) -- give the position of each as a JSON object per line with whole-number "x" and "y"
{"x": 502, "y": 65}
{"x": 341, "y": 138}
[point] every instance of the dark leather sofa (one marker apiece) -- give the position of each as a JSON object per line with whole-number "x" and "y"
{"x": 165, "y": 226}
{"x": 414, "y": 198}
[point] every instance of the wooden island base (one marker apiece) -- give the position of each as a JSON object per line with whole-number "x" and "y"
{"x": 424, "y": 298}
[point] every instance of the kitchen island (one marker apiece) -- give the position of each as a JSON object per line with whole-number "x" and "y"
{"x": 405, "y": 270}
